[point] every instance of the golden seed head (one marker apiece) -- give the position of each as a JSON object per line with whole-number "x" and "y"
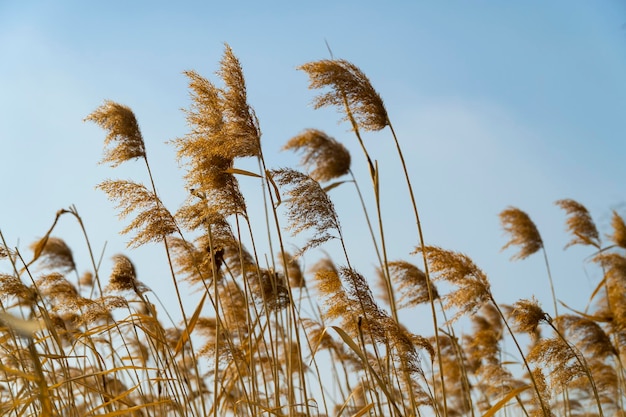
{"x": 411, "y": 283}
{"x": 123, "y": 275}
{"x": 327, "y": 158}
{"x": 309, "y": 207}
{"x": 580, "y": 224}
{"x": 473, "y": 288}
{"x": 523, "y": 232}
{"x": 527, "y": 315}
{"x": 351, "y": 91}
{"x": 619, "y": 230}
{"x": 53, "y": 253}
{"x": 122, "y": 127}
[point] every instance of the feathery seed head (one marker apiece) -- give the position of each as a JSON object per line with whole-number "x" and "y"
{"x": 523, "y": 232}
{"x": 619, "y": 230}
{"x": 122, "y": 127}
{"x": 328, "y": 158}
{"x": 55, "y": 286}
{"x": 242, "y": 127}
{"x": 86, "y": 279}
{"x": 308, "y": 205}
{"x": 100, "y": 309}
{"x": 587, "y": 334}
{"x": 123, "y": 275}
{"x": 473, "y": 288}
{"x": 351, "y": 91}
{"x": 559, "y": 359}
{"x": 411, "y": 283}
{"x": 580, "y": 224}
{"x": 12, "y": 286}
{"x": 152, "y": 223}
{"x": 527, "y": 315}
{"x": 615, "y": 276}
{"x": 54, "y": 253}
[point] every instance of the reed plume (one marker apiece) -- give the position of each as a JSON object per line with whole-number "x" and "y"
{"x": 615, "y": 280}
{"x": 587, "y": 335}
{"x": 619, "y": 230}
{"x": 526, "y": 316}
{"x": 473, "y": 288}
{"x": 124, "y": 137}
{"x": 483, "y": 353}
{"x": 556, "y": 356}
{"x": 542, "y": 395}
{"x": 309, "y": 207}
{"x": 523, "y": 232}
{"x": 195, "y": 261}
{"x": 411, "y": 283}
{"x": 350, "y": 90}
{"x": 123, "y": 276}
{"x": 54, "y": 254}
{"x": 326, "y": 158}
{"x": 223, "y": 127}
{"x": 12, "y": 286}
{"x": 152, "y": 222}
{"x": 580, "y": 224}
{"x": 241, "y": 124}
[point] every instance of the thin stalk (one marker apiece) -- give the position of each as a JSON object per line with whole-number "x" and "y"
{"x": 426, "y": 270}
{"x": 375, "y": 183}
{"x": 545, "y": 257}
{"x": 294, "y": 314}
{"x": 367, "y": 219}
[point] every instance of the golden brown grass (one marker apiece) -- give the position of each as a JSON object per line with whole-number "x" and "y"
{"x": 267, "y": 336}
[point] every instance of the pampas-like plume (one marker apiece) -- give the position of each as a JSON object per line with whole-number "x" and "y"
{"x": 195, "y": 262}
{"x": 615, "y": 276}
{"x": 12, "y": 286}
{"x": 124, "y": 277}
{"x": 527, "y": 315}
{"x": 588, "y": 335}
{"x": 330, "y": 287}
{"x": 619, "y": 230}
{"x": 483, "y": 346}
{"x": 580, "y": 224}
{"x": 153, "y": 221}
{"x": 54, "y": 253}
{"x": 542, "y": 394}
{"x": 100, "y": 309}
{"x": 559, "y": 359}
{"x": 350, "y": 89}
{"x": 411, "y": 283}
{"x": 309, "y": 207}
{"x": 224, "y": 127}
{"x": 327, "y": 158}
{"x": 122, "y": 127}
{"x": 523, "y": 232}
{"x": 242, "y": 126}
{"x": 473, "y": 288}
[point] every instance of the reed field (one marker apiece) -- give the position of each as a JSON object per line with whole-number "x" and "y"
{"x": 296, "y": 329}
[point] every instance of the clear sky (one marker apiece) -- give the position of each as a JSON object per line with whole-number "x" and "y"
{"x": 495, "y": 103}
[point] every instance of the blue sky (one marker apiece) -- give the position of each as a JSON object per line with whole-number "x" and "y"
{"x": 495, "y": 104}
